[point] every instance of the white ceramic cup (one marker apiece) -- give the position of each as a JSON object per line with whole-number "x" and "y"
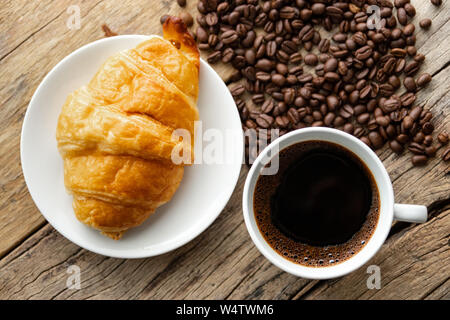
{"x": 388, "y": 209}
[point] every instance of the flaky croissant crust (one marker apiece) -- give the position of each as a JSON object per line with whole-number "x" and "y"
{"x": 115, "y": 133}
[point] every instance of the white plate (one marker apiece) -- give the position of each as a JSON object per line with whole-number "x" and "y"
{"x": 204, "y": 190}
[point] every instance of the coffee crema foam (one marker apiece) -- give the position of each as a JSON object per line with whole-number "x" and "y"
{"x": 295, "y": 251}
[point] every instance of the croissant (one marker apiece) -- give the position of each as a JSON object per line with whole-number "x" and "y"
{"x": 116, "y": 134}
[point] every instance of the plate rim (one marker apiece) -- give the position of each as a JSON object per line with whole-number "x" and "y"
{"x": 139, "y": 252}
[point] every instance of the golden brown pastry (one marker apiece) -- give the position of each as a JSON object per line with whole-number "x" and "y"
{"x": 115, "y": 133}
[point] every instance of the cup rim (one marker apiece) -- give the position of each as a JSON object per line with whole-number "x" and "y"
{"x": 386, "y": 198}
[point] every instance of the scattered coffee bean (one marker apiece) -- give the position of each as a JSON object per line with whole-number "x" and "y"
{"x": 436, "y": 2}
{"x": 423, "y": 79}
{"x": 396, "y": 146}
{"x": 416, "y": 148}
{"x": 419, "y": 160}
{"x": 430, "y": 151}
{"x": 443, "y": 138}
{"x": 214, "y": 57}
{"x": 187, "y": 18}
{"x": 425, "y": 23}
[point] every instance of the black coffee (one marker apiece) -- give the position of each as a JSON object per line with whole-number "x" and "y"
{"x": 321, "y": 207}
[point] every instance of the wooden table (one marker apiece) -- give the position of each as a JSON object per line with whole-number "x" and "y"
{"x": 222, "y": 263}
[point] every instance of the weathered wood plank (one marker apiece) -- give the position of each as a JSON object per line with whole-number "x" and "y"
{"x": 20, "y": 20}
{"x": 220, "y": 263}
{"x": 440, "y": 293}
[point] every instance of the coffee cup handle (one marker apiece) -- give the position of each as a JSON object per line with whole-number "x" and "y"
{"x": 410, "y": 213}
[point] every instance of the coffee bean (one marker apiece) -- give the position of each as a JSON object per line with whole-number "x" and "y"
{"x": 348, "y": 127}
{"x": 330, "y": 65}
{"x": 427, "y": 128}
{"x": 408, "y": 30}
{"x": 318, "y": 9}
{"x": 332, "y": 76}
{"x": 278, "y": 79}
{"x": 214, "y": 57}
{"x": 375, "y": 139}
{"x": 394, "y": 81}
{"x": 415, "y": 113}
{"x": 265, "y": 65}
{"x": 391, "y": 104}
{"x": 329, "y": 119}
{"x": 396, "y": 146}
{"x": 324, "y": 45}
{"x": 382, "y": 121}
{"x": 267, "y": 106}
{"x": 419, "y": 160}
{"x": 311, "y": 59}
{"x": 425, "y": 116}
{"x": 363, "y": 118}
{"x": 212, "y": 19}
{"x": 402, "y": 16}
{"x": 332, "y": 102}
{"x": 228, "y": 37}
{"x": 402, "y": 138}
{"x": 428, "y": 140}
{"x": 202, "y": 35}
{"x": 305, "y": 92}
{"x": 423, "y": 79}
{"x": 289, "y": 96}
{"x": 354, "y": 97}
{"x": 264, "y": 121}
{"x": 436, "y": 2}
{"x": 366, "y": 140}
{"x": 410, "y": 10}
{"x": 237, "y": 90}
{"x": 425, "y": 23}
{"x": 295, "y": 58}
{"x": 443, "y": 137}
{"x": 398, "y": 52}
{"x": 363, "y": 53}
{"x": 419, "y": 57}
{"x": 408, "y": 122}
{"x": 430, "y": 151}
{"x": 187, "y": 18}
{"x": 181, "y": 3}
{"x": 339, "y": 37}
{"x": 282, "y": 121}
{"x": 416, "y": 148}
{"x": 293, "y": 115}
{"x": 263, "y": 76}
{"x": 411, "y": 68}
{"x": 419, "y": 137}
{"x": 412, "y": 50}
{"x": 258, "y": 98}
{"x": 410, "y": 84}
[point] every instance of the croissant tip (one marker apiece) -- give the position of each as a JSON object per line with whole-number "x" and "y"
{"x": 176, "y": 31}
{"x": 177, "y": 23}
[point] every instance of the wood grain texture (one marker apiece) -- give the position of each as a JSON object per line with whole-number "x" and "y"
{"x": 222, "y": 262}
{"x": 413, "y": 265}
